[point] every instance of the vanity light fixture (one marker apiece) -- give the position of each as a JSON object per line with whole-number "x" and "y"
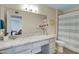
{"x": 30, "y": 8}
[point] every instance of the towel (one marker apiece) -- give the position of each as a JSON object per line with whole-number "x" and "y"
{"x": 1, "y": 24}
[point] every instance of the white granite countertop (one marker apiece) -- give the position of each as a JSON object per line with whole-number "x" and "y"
{"x": 19, "y": 41}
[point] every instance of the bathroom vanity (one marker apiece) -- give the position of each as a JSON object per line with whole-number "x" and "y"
{"x": 29, "y": 45}
{"x": 32, "y": 32}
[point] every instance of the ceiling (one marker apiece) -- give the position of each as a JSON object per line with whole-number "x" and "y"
{"x": 64, "y": 7}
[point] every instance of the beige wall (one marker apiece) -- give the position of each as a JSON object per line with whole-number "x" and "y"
{"x": 51, "y": 16}
{"x": 60, "y": 12}
{"x": 2, "y": 13}
{"x": 45, "y": 10}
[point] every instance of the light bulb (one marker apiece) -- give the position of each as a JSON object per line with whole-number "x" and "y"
{"x": 30, "y": 8}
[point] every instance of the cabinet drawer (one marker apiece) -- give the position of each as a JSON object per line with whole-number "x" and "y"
{"x": 24, "y": 52}
{"x": 7, "y": 51}
{"x": 40, "y": 43}
{"x": 22, "y": 47}
{"x": 52, "y": 50}
{"x": 36, "y": 50}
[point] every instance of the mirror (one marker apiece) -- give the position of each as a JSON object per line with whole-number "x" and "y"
{"x": 16, "y": 28}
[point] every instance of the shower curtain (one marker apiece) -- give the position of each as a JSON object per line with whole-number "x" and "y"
{"x": 68, "y": 30}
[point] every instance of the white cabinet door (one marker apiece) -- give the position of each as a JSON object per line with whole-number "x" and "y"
{"x": 40, "y": 43}
{"x": 36, "y": 50}
{"x": 7, "y": 51}
{"x": 25, "y": 52}
{"x": 52, "y": 45}
{"x": 21, "y": 48}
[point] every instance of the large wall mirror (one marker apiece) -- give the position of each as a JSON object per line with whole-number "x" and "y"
{"x": 25, "y": 23}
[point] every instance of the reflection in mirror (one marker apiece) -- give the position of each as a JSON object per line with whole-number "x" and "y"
{"x": 16, "y": 25}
